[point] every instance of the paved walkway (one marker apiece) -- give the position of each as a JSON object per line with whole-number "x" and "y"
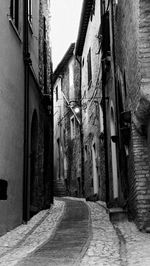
{"x": 75, "y": 232}
{"x": 69, "y": 241}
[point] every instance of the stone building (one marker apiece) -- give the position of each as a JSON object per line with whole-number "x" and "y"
{"x": 67, "y": 126}
{"x": 124, "y": 38}
{"x": 25, "y": 111}
{"x": 131, "y": 29}
{"x": 88, "y": 52}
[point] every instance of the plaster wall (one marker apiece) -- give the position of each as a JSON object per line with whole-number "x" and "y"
{"x": 92, "y": 95}
{"x": 11, "y": 118}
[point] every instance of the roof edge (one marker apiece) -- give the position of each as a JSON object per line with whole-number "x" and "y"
{"x": 59, "y": 69}
{"x": 84, "y": 20}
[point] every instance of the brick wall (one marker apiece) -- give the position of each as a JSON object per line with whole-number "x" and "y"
{"x": 132, "y": 49}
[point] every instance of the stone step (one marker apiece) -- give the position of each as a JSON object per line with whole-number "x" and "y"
{"x": 59, "y": 188}
{"x": 118, "y": 214}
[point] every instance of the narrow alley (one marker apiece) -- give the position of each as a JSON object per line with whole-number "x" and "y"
{"x": 75, "y": 133}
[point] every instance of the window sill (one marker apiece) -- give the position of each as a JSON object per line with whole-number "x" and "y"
{"x": 15, "y": 29}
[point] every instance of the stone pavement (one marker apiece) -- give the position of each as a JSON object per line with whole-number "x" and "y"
{"x": 69, "y": 241}
{"x": 75, "y": 232}
{"x": 137, "y": 244}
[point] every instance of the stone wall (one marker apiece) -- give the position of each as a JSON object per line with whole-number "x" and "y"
{"x": 132, "y": 60}
{"x": 91, "y": 99}
{"x": 44, "y": 11}
{"x": 72, "y": 147}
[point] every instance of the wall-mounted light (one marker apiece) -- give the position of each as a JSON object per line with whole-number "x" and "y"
{"x": 77, "y": 110}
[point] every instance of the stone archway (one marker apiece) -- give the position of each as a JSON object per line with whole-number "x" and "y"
{"x": 33, "y": 163}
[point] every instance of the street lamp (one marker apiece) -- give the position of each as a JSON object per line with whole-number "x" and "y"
{"x": 77, "y": 110}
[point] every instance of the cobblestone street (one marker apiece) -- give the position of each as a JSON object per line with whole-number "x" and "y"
{"x": 75, "y": 232}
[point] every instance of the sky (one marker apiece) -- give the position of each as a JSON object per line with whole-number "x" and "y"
{"x": 65, "y": 18}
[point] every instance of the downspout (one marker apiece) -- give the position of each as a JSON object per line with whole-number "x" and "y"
{"x": 26, "y": 58}
{"x": 105, "y": 133}
{"x": 81, "y": 134}
{"x": 51, "y": 138}
{"x": 105, "y": 120}
{"x": 116, "y": 92}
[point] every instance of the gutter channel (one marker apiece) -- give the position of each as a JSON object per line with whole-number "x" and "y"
{"x": 122, "y": 245}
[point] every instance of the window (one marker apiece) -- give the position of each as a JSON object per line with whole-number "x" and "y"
{"x": 14, "y": 12}
{"x": 72, "y": 122}
{"x": 56, "y": 93}
{"x": 89, "y": 67}
{"x": 30, "y": 10}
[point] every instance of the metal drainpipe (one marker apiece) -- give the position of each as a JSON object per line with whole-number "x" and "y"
{"x": 116, "y": 90}
{"x": 105, "y": 133}
{"x": 81, "y": 136}
{"x": 105, "y": 121}
{"x": 51, "y": 140}
{"x": 114, "y": 60}
{"x": 26, "y": 113}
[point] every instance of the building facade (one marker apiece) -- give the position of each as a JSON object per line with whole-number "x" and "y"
{"x": 88, "y": 52}
{"x": 67, "y": 127}
{"x": 25, "y": 84}
{"x": 131, "y": 32}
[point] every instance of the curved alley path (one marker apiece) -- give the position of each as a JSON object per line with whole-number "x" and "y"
{"x": 69, "y": 241}
{"x": 75, "y": 232}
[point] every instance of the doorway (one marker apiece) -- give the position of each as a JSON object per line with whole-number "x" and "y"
{"x": 33, "y": 163}
{"x": 95, "y": 172}
{"x": 114, "y": 155}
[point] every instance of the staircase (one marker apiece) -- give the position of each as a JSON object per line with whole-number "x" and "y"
{"x": 59, "y": 188}
{"x": 118, "y": 214}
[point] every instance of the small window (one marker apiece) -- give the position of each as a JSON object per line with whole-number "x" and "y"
{"x": 89, "y": 67}
{"x": 30, "y": 10}
{"x": 56, "y": 93}
{"x": 73, "y": 129}
{"x": 14, "y": 12}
